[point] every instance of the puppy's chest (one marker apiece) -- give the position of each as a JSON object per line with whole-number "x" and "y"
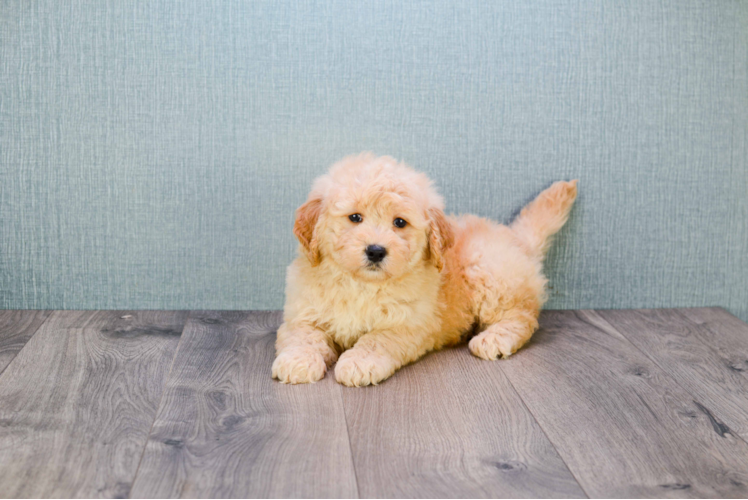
{"x": 359, "y": 312}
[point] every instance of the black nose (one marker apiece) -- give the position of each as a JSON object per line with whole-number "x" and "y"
{"x": 375, "y": 253}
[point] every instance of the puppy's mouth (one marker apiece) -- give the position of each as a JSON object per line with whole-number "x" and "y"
{"x": 374, "y": 270}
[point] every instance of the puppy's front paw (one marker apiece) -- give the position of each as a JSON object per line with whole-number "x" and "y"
{"x": 357, "y": 368}
{"x": 493, "y": 344}
{"x": 299, "y": 366}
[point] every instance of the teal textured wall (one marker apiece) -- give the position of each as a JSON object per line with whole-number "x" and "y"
{"x": 152, "y": 153}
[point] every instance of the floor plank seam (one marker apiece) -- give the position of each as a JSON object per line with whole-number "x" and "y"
{"x": 160, "y": 401}
{"x": 704, "y": 408}
{"x": 350, "y": 445}
{"x": 27, "y": 342}
{"x": 542, "y": 429}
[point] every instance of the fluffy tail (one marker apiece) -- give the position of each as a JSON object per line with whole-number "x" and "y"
{"x": 545, "y": 215}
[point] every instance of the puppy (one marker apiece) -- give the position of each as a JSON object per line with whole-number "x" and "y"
{"x": 383, "y": 276}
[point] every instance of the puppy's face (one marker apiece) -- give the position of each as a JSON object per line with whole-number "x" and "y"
{"x": 376, "y": 238}
{"x": 374, "y": 218}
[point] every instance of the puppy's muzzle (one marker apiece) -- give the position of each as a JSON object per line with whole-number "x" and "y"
{"x": 375, "y": 253}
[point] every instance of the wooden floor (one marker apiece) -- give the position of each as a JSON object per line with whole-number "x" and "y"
{"x": 638, "y": 403}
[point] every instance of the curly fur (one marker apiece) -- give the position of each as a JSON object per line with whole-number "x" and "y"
{"x": 443, "y": 277}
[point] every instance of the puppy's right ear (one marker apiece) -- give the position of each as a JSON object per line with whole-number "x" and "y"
{"x": 305, "y": 228}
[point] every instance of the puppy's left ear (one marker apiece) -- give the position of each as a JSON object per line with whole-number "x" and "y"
{"x": 305, "y": 228}
{"x": 441, "y": 236}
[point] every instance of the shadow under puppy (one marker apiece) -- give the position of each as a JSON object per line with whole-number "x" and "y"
{"x": 383, "y": 276}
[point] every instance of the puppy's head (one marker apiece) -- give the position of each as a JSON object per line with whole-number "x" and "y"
{"x": 373, "y": 217}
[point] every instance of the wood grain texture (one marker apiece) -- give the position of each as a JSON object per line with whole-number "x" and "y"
{"x": 16, "y": 328}
{"x": 451, "y": 425}
{"x": 639, "y": 403}
{"x": 226, "y": 429}
{"x": 624, "y": 427}
{"x": 724, "y": 333}
{"x": 707, "y": 364}
{"x": 78, "y": 401}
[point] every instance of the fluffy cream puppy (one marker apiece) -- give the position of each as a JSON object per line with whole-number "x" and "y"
{"x": 383, "y": 276}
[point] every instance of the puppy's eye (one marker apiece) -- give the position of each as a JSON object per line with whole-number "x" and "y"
{"x": 355, "y": 217}
{"x": 399, "y": 222}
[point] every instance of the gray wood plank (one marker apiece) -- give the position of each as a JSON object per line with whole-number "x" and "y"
{"x": 623, "y": 425}
{"x": 451, "y": 425}
{"x": 724, "y": 333}
{"x": 16, "y": 328}
{"x": 78, "y": 401}
{"x": 685, "y": 350}
{"x": 226, "y": 429}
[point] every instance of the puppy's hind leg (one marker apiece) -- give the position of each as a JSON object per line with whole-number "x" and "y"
{"x": 505, "y": 336}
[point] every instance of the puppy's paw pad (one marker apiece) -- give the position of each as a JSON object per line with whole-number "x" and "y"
{"x": 356, "y": 369}
{"x": 492, "y": 345}
{"x": 299, "y": 366}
